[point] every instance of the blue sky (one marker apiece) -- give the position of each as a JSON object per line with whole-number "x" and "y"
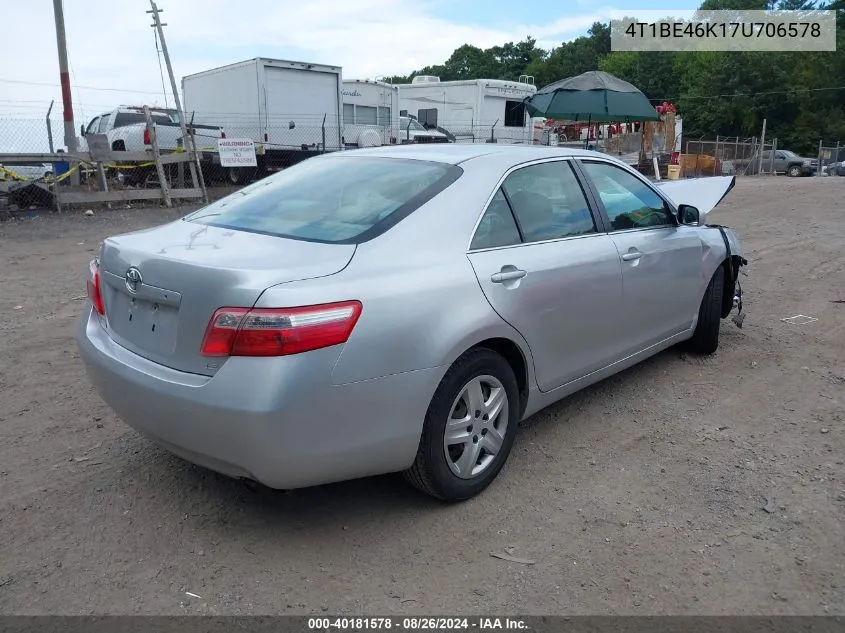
{"x": 499, "y": 14}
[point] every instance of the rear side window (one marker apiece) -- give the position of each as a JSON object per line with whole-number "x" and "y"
{"x": 545, "y": 199}
{"x": 548, "y": 202}
{"x": 497, "y": 227}
{"x": 333, "y": 200}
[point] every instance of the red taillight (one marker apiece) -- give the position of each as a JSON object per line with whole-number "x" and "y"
{"x": 222, "y": 134}
{"x": 95, "y": 293}
{"x": 147, "y": 136}
{"x": 279, "y": 331}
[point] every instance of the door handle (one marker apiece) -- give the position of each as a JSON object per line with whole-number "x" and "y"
{"x": 631, "y": 256}
{"x": 508, "y": 275}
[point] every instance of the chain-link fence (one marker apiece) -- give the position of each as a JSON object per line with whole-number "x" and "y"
{"x": 727, "y": 155}
{"x": 279, "y": 142}
{"x": 831, "y": 159}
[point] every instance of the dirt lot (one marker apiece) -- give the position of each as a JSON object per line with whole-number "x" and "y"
{"x": 685, "y": 485}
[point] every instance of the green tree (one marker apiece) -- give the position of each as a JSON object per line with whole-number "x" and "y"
{"x": 799, "y": 94}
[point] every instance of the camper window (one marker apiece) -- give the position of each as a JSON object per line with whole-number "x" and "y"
{"x": 514, "y": 114}
{"x": 383, "y": 116}
{"x": 366, "y": 115}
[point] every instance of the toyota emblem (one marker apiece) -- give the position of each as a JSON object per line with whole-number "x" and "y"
{"x": 133, "y": 280}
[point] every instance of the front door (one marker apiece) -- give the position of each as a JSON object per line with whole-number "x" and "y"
{"x": 661, "y": 260}
{"x": 547, "y": 271}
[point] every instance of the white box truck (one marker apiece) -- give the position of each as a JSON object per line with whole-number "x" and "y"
{"x": 291, "y": 110}
{"x": 476, "y": 110}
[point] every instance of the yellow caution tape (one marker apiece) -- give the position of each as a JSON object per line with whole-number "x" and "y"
{"x": 13, "y": 175}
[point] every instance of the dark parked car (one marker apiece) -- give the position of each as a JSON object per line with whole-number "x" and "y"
{"x": 789, "y": 163}
{"x": 835, "y": 169}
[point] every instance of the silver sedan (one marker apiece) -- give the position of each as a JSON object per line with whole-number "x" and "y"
{"x": 400, "y": 309}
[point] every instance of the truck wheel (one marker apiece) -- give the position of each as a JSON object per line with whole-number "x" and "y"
{"x": 794, "y": 171}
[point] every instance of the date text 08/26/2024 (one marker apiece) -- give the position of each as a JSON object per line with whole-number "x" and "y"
{"x": 330, "y": 624}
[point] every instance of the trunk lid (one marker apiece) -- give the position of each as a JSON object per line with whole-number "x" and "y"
{"x": 162, "y": 285}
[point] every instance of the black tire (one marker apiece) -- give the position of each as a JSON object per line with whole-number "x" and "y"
{"x": 705, "y": 339}
{"x": 794, "y": 171}
{"x": 430, "y": 471}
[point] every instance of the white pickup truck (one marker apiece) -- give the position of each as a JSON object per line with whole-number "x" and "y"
{"x": 126, "y": 129}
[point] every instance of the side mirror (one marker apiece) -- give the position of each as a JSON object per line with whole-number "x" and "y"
{"x": 82, "y": 130}
{"x": 689, "y": 215}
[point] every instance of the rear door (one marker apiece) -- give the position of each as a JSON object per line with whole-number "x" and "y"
{"x": 548, "y": 270}
{"x": 661, "y": 260}
{"x": 301, "y": 97}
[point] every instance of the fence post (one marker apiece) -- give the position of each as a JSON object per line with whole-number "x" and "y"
{"x": 104, "y": 183}
{"x": 736, "y": 153}
{"x": 50, "y": 131}
{"x": 165, "y": 190}
{"x": 324, "y": 133}
{"x": 774, "y": 149}
{"x": 836, "y": 155}
{"x": 197, "y": 177}
{"x": 819, "y": 170}
{"x": 716, "y": 155}
{"x": 762, "y": 146}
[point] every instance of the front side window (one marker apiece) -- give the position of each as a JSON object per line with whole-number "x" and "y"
{"x": 628, "y": 201}
{"x": 333, "y": 200}
{"x": 92, "y": 127}
{"x": 103, "y": 127}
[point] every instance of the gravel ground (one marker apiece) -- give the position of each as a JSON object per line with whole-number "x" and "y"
{"x": 682, "y": 486}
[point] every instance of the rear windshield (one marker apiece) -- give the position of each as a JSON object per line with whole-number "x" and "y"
{"x": 130, "y": 118}
{"x": 335, "y": 200}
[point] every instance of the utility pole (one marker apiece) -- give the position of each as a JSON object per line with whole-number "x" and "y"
{"x": 70, "y": 126}
{"x": 187, "y": 139}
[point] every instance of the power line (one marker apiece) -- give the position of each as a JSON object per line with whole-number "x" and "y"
{"x": 750, "y": 94}
{"x": 160, "y": 69}
{"x": 52, "y": 85}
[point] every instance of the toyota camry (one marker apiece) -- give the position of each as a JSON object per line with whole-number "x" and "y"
{"x": 400, "y": 309}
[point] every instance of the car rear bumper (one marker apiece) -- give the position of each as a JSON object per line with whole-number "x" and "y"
{"x": 279, "y": 421}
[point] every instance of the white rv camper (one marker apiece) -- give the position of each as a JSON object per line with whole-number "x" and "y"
{"x": 476, "y": 110}
{"x": 370, "y": 113}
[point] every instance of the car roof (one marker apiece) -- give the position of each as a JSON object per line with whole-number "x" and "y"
{"x": 457, "y": 153}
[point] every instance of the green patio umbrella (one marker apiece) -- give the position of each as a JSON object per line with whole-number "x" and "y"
{"x": 594, "y": 96}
